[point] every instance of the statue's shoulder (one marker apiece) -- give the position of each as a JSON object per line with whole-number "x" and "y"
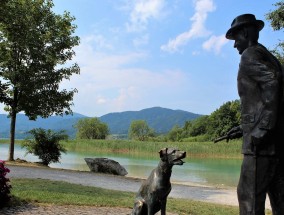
{"x": 255, "y": 53}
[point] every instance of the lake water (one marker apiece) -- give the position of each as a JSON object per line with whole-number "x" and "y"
{"x": 201, "y": 171}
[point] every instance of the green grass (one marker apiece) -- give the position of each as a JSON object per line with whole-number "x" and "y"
{"x": 193, "y": 149}
{"x": 62, "y": 193}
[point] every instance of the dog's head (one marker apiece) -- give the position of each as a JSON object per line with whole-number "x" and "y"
{"x": 172, "y": 156}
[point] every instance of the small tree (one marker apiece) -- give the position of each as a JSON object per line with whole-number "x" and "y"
{"x": 139, "y": 130}
{"x": 46, "y": 145}
{"x": 4, "y": 185}
{"x": 91, "y": 128}
{"x": 36, "y": 46}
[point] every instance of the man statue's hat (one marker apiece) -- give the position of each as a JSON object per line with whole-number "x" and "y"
{"x": 245, "y": 19}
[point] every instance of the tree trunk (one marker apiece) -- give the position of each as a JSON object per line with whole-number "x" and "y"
{"x": 12, "y": 135}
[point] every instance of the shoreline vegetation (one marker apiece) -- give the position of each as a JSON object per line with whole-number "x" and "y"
{"x": 223, "y": 149}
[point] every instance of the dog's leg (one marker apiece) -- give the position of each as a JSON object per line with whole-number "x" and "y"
{"x": 150, "y": 211}
{"x": 138, "y": 207}
{"x": 163, "y": 206}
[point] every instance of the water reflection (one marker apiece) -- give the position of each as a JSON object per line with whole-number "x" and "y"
{"x": 195, "y": 171}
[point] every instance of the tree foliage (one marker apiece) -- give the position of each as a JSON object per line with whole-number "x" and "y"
{"x": 46, "y": 145}
{"x": 176, "y": 133}
{"x": 199, "y": 126}
{"x": 224, "y": 118}
{"x": 91, "y": 128}
{"x": 276, "y": 18}
{"x": 139, "y": 130}
{"x": 210, "y": 126}
{"x": 35, "y": 45}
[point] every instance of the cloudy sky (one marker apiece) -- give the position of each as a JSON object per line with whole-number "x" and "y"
{"x": 136, "y": 54}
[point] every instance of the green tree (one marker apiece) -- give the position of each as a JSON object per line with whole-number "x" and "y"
{"x": 276, "y": 18}
{"x": 46, "y": 145}
{"x": 139, "y": 130}
{"x": 91, "y": 128}
{"x": 35, "y": 45}
{"x": 224, "y": 118}
{"x": 176, "y": 133}
{"x": 199, "y": 126}
{"x": 186, "y": 129}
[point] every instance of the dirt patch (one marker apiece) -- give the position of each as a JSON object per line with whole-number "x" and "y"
{"x": 21, "y": 162}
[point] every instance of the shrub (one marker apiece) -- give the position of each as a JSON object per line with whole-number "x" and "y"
{"x": 46, "y": 145}
{"x": 4, "y": 184}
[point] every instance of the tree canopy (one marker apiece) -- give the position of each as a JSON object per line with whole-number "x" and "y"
{"x": 218, "y": 123}
{"x": 276, "y": 18}
{"x": 91, "y": 128}
{"x": 139, "y": 130}
{"x": 35, "y": 45}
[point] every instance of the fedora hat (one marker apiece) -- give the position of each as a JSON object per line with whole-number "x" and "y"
{"x": 245, "y": 19}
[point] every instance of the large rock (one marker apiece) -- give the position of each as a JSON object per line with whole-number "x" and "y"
{"x": 105, "y": 165}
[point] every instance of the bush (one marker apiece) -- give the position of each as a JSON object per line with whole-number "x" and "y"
{"x": 4, "y": 184}
{"x": 45, "y": 145}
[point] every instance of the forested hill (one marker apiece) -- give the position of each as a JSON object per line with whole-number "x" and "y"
{"x": 23, "y": 124}
{"x": 160, "y": 119}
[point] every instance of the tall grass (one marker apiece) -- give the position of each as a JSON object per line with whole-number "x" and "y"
{"x": 193, "y": 149}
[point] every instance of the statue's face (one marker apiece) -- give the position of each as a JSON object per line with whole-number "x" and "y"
{"x": 241, "y": 40}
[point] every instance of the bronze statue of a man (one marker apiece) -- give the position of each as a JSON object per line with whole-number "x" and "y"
{"x": 260, "y": 87}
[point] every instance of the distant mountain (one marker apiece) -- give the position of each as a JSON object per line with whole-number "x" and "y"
{"x": 23, "y": 124}
{"x": 160, "y": 119}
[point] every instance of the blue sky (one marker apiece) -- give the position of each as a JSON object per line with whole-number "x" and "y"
{"x": 136, "y": 54}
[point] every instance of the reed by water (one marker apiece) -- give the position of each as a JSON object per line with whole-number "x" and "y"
{"x": 193, "y": 149}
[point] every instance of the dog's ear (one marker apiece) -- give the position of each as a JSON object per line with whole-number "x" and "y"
{"x": 163, "y": 152}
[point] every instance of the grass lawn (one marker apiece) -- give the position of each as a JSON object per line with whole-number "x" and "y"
{"x": 62, "y": 193}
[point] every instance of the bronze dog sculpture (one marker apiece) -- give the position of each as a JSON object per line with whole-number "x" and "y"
{"x": 153, "y": 193}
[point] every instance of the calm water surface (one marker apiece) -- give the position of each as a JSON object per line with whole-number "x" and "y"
{"x": 203, "y": 171}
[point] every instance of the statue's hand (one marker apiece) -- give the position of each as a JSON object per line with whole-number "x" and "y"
{"x": 235, "y": 132}
{"x": 236, "y": 129}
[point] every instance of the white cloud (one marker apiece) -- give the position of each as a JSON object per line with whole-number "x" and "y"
{"x": 101, "y": 100}
{"x": 110, "y": 82}
{"x": 197, "y": 30}
{"x": 142, "y": 11}
{"x": 215, "y": 43}
{"x": 139, "y": 41}
{"x": 99, "y": 41}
